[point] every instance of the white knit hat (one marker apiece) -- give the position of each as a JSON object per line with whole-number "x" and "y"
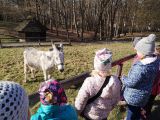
{"x": 14, "y": 102}
{"x": 102, "y": 60}
{"x": 136, "y": 40}
{"x": 146, "y": 45}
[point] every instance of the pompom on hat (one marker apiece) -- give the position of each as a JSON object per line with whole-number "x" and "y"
{"x": 102, "y": 60}
{"x": 52, "y": 93}
{"x": 146, "y": 45}
{"x": 14, "y": 104}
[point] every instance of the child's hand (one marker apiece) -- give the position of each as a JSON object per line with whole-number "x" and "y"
{"x": 122, "y": 78}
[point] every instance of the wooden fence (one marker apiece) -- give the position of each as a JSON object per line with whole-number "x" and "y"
{"x": 10, "y": 42}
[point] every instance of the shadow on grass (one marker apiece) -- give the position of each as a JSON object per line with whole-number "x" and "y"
{"x": 34, "y": 80}
{"x": 155, "y": 115}
{"x": 76, "y": 86}
{"x": 39, "y": 79}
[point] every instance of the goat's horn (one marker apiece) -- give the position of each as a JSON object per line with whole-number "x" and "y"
{"x": 52, "y": 42}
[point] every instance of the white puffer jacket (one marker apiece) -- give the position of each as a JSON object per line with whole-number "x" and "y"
{"x": 101, "y": 107}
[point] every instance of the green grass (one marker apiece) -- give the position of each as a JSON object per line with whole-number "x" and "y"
{"x": 78, "y": 59}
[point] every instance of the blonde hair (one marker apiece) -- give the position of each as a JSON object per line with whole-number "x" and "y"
{"x": 101, "y": 73}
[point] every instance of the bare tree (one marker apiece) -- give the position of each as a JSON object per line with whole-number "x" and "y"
{"x": 75, "y": 18}
{"x": 64, "y": 13}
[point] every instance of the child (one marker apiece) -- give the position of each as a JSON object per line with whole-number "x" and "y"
{"x": 146, "y": 110}
{"x": 100, "y": 108}
{"x": 138, "y": 83}
{"x": 53, "y": 103}
{"x": 14, "y": 104}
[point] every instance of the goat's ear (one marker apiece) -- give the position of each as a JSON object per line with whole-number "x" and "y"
{"x": 54, "y": 47}
{"x": 52, "y": 43}
{"x": 61, "y": 46}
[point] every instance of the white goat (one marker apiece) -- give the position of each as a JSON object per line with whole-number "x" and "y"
{"x": 45, "y": 60}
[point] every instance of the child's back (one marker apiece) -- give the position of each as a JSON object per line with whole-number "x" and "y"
{"x": 55, "y": 112}
{"x": 102, "y": 85}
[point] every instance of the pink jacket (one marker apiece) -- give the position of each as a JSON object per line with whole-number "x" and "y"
{"x": 101, "y": 107}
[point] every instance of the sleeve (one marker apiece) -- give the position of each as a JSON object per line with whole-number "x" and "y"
{"x": 83, "y": 96}
{"x": 134, "y": 77}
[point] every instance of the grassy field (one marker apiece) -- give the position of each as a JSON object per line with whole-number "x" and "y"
{"x": 78, "y": 58}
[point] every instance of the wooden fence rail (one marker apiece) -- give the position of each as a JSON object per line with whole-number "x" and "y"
{"x": 77, "y": 80}
{"x": 13, "y": 43}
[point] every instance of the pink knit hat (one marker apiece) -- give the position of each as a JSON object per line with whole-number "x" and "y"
{"x": 102, "y": 60}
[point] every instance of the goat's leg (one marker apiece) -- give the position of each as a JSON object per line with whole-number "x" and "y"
{"x": 25, "y": 73}
{"x": 49, "y": 74}
{"x": 45, "y": 75}
{"x": 32, "y": 72}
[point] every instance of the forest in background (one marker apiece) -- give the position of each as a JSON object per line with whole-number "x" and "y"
{"x": 104, "y": 18}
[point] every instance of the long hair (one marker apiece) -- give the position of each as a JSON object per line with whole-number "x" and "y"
{"x": 101, "y": 73}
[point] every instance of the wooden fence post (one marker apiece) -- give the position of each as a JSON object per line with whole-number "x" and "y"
{"x": 0, "y": 43}
{"x": 119, "y": 70}
{"x": 39, "y": 42}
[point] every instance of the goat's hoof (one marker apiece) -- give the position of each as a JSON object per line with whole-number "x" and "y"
{"x": 25, "y": 81}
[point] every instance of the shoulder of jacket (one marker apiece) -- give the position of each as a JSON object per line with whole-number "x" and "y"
{"x": 90, "y": 79}
{"x": 114, "y": 80}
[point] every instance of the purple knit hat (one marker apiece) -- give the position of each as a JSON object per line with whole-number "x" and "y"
{"x": 53, "y": 87}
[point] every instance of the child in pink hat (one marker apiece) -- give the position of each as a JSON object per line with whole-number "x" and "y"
{"x": 100, "y": 108}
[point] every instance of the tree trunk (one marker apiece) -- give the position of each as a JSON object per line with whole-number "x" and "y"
{"x": 75, "y": 20}
{"x": 57, "y": 18}
{"x": 37, "y": 12}
{"x": 82, "y": 27}
{"x": 50, "y": 16}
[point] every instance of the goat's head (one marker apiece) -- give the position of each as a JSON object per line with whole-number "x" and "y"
{"x": 59, "y": 56}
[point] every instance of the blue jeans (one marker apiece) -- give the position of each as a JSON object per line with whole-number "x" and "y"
{"x": 133, "y": 113}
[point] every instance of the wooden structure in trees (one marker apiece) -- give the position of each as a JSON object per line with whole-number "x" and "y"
{"x": 31, "y": 30}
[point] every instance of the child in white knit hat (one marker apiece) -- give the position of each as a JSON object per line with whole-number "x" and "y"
{"x": 146, "y": 110}
{"x": 138, "y": 83}
{"x": 100, "y": 107}
{"x": 14, "y": 104}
